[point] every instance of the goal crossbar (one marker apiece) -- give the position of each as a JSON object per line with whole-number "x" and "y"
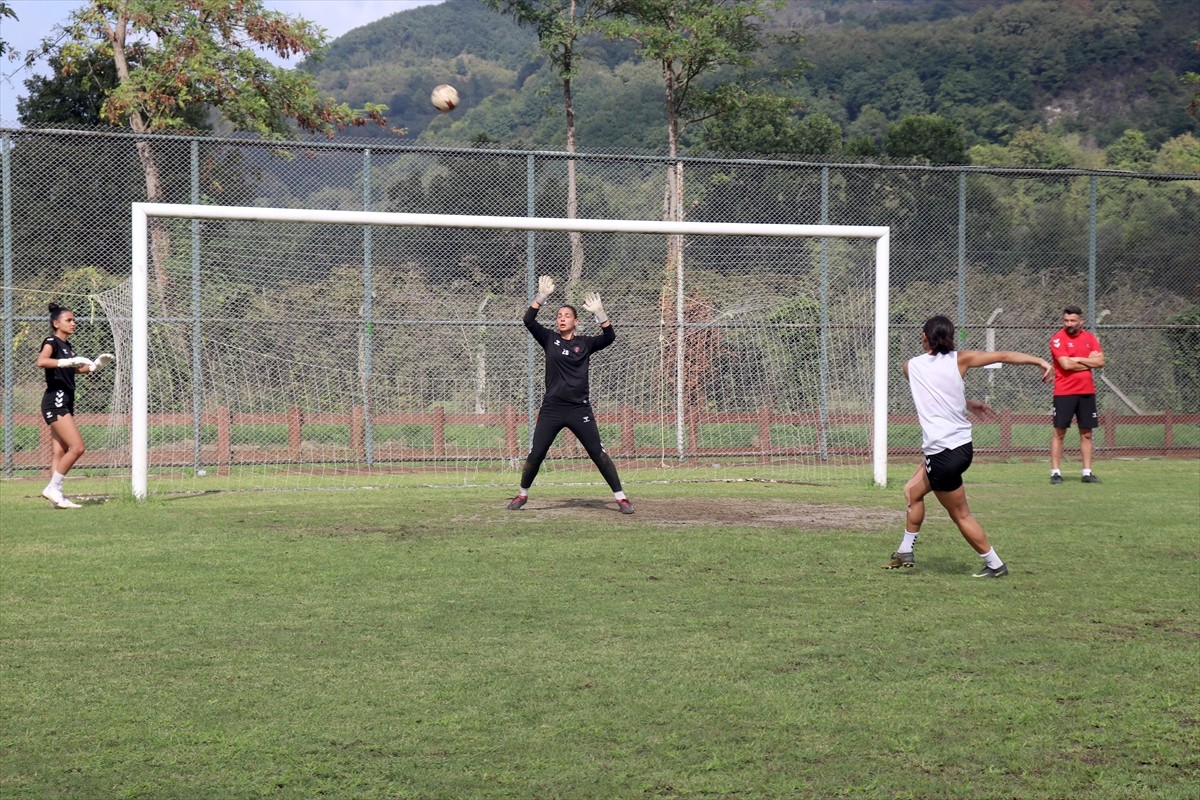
{"x": 139, "y": 282}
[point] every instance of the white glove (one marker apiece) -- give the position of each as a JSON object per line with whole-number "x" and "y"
{"x": 592, "y": 305}
{"x": 76, "y": 361}
{"x": 102, "y": 361}
{"x": 544, "y": 290}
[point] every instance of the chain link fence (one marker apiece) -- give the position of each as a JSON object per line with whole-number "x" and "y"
{"x": 768, "y": 332}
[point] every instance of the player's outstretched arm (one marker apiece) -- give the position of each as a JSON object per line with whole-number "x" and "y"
{"x": 968, "y": 359}
{"x": 47, "y": 361}
{"x": 592, "y": 305}
{"x": 545, "y": 288}
{"x": 102, "y": 361}
{"x": 980, "y": 409}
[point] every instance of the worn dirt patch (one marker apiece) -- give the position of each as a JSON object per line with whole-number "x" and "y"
{"x": 744, "y": 513}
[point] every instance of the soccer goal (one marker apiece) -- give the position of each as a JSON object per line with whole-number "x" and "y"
{"x": 299, "y": 348}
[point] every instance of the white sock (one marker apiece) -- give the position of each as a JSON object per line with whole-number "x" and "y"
{"x": 619, "y": 495}
{"x": 906, "y": 544}
{"x": 1055, "y": 472}
{"x": 56, "y": 481}
{"x": 1087, "y": 472}
{"x": 522, "y": 492}
{"x": 991, "y": 559}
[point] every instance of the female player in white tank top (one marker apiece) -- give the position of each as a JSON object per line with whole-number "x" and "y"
{"x": 938, "y": 391}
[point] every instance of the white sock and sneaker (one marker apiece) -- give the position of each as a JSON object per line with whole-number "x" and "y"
{"x": 993, "y": 567}
{"x": 53, "y": 493}
{"x": 903, "y": 557}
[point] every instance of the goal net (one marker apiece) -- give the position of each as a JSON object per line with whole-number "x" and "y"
{"x": 290, "y": 348}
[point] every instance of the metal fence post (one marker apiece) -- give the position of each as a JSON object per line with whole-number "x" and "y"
{"x": 530, "y": 284}
{"x": 823, "y": 411}
{"x": 368, "y": 317}
{"x": 197, "y": 372}
{"x": 1091, "y": 290}
{"x": 6, "y": 213}
{"x": 962, "y": 258}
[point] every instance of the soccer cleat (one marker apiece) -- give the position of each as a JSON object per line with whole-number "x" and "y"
{"x": 1090, "y": 479}
{"x": 624, "y": 506}
{"x": 65, "y": 503}
{"x": 518, "y": 501}
{"x": 1056, "y": 478}
{"x": 899, "y": 560}
{"x": 53, "y": 495}
{"x": 988, "y": 572}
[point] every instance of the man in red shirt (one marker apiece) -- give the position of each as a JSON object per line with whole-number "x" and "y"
{"x": 1074, "y": 353}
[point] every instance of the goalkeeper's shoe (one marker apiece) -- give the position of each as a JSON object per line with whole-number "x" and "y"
{"x": 624, "y": 506}
{"x": 992, "y": 572}
{"x": 899, "y": 560}
{"x": 518, "y": 501}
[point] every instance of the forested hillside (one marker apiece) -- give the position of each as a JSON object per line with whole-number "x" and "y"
{"x": 1091, "y": 69}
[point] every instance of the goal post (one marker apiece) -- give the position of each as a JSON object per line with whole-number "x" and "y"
{"x": 141, "y": 285}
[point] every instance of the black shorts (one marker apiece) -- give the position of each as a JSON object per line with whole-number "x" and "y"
{"x": 1079, "y": 406}
{"x": 57, "y": 403}
{"x": 945, "y": 469}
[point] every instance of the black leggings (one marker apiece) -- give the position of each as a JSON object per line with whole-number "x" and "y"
{"x": 581, "y": 421}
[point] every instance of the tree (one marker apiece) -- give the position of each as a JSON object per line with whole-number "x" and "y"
{"x": 77, "y": 96}
{"x": 6, "y": 11}
{"x": 926, "y": 136}
{"x": 560, "y": 24}
{"x": 770, "y": 130}
{"x": 1130, "y": 152}
{"x": 1193, "y": 79}
{"x": 171, "y": 55}
{"x": 690, "y": 40}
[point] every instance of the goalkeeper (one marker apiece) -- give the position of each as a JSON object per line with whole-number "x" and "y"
{"x": 58, "y": 359}
{"x": 566, "y": 403}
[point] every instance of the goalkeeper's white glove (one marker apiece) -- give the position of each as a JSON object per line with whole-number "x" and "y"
{"x": 592, "y": 305}
{"x": 102, "y": 361}
{"x": 544, "y": 290}
{"x": 74, "y": 362}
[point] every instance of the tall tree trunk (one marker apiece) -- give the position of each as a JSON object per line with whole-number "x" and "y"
{"x": 572, "y": 192}
{"x": 673, "y": 272}
{"x": 576, "y": 237}
{"x": 160, "y": 238}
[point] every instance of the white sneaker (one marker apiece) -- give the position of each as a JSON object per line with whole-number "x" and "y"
{"x": 65, "y": 503}
{"x": 53, "y": 495}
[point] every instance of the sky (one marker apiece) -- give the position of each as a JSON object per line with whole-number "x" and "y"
{"x": 36, "y": 18}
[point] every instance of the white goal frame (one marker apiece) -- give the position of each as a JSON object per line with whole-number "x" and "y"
{"x": 139, "y": 283}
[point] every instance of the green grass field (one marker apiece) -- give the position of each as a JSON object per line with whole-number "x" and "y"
{"x": 730, "y": 640}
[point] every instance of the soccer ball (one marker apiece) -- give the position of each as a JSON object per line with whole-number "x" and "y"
{"x": 444, "y": 97}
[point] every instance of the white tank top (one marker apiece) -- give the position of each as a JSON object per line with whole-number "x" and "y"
{"x": 940, "y": 397}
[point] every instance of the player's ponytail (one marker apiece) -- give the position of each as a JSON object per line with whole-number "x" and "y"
{"x": 939, "y": 332}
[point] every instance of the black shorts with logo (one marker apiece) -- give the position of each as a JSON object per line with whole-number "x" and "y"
{"x": 1079, "y": 406}
{"x": 945, "y": 469}
{"x": 57, "y": 403}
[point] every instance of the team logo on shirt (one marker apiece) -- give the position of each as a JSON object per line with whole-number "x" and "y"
{"x": 577, "y": 348}
{"x": 587, "y": 418}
